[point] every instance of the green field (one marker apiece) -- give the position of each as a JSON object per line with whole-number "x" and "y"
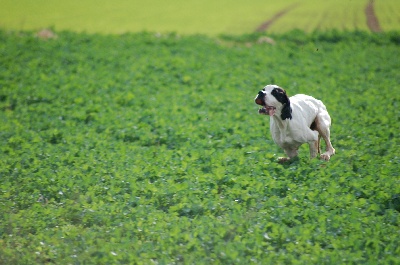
{"x": 145, "y": 147}
{"x": 193, "y": 17}
{"x": 148, "y": 149}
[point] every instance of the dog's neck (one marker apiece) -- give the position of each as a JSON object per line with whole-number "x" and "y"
{"x": 282, "y": 117}
{"x": 281, "y": 123}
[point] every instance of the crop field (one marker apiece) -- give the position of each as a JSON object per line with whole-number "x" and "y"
{"x": 388, "y": 14}
{"x": 148, "y": 149}
{"x": 197, "y": 17}
{"x": 321, "y": 15}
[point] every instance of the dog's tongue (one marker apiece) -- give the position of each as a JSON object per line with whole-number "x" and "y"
{"x": 267, "y": 111}
{"x": 271, "y": 111}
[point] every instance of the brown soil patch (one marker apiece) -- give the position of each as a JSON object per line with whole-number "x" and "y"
{"x": 372, "y": 20}
{"x": 264, "y": 26}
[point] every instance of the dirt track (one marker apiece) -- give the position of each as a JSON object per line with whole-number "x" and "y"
{"x": 264, "y": 26}
{"x": 372, "y": 20}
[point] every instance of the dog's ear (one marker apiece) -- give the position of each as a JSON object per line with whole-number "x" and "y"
{"x": 280, "y": 95}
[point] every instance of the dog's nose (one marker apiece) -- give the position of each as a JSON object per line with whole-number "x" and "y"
{"x": 260, "y": 98}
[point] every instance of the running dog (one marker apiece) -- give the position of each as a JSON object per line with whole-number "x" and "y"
{"x": 296, "y": 120}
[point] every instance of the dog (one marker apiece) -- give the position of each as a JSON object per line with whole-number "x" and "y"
{"x": 296, "y": 120}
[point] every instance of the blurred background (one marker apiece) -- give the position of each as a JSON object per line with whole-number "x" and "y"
{"x": 199, "y": 17}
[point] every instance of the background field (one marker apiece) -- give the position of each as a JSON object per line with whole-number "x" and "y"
{"x": 191, "y": 17}
{"x": 147, "y": 148}
{"x": 388, "y": 13}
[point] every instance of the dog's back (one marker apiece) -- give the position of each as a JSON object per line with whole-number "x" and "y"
{"x": 306, "y": 106}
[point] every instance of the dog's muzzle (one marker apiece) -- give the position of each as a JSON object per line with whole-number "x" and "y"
{"x": 266, "y": 110}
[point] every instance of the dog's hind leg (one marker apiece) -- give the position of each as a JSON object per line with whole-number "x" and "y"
{"x": 323, "y": 127}
{"x": 319, "y": 144}
{"x": 330, "y": 151}
{"x": 315, "y": 145}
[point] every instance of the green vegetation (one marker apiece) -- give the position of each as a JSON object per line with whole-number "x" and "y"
{"x": 193, "y": 17}
{"x": 147, "y": 148}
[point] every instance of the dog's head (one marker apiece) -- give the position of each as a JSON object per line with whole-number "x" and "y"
{"x": 273, "y": 99}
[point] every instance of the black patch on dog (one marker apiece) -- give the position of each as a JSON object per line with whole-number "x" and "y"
{"x": 281, "y": 96}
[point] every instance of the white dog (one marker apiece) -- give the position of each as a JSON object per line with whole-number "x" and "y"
{"x": 296, "y": 120}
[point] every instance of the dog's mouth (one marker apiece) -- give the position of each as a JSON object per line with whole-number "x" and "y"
{"x": 267, "y": 110}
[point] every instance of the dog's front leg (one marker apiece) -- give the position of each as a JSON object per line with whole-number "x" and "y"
{"x": 291, "y": 153}
{"x": 315, "y": 148}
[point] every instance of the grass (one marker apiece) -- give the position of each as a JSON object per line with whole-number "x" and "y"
{"x": 147, "y": 148}
{"x": 192, "y": 17}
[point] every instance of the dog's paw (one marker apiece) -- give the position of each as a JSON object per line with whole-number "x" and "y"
{"x": 283, "y": 160}
{"x": 325, "y": 157}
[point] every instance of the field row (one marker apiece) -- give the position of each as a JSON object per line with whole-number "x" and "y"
{"x": 192, "y": 17}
